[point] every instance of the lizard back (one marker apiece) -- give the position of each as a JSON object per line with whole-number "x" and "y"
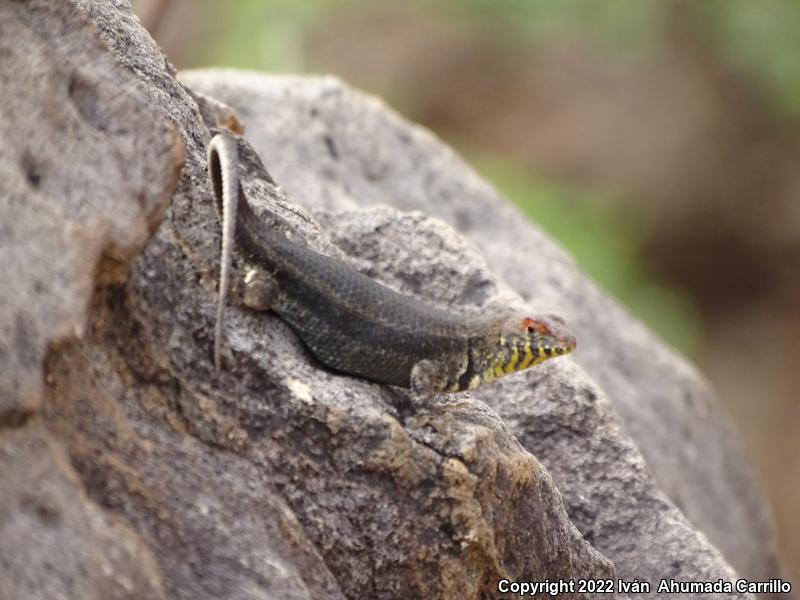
{"x": 350, "y": 322}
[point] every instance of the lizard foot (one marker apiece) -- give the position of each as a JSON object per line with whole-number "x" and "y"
{"x": 260, "y": 289}
{"x": 428, "y": 378}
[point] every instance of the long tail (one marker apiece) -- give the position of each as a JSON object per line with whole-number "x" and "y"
{"x": 223, "y": 170}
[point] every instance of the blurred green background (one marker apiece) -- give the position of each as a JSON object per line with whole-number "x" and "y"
{"x": 658, "y": 141}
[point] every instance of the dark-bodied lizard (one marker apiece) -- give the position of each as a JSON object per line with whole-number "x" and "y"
{"x": 357, "y": 326}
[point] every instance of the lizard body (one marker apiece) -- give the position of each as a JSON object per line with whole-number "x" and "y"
{"x": 355, "y": 325}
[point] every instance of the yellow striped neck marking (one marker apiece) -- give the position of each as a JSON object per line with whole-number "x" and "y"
{"x": 512, "y": 363}
{"x": 528, "y": 359}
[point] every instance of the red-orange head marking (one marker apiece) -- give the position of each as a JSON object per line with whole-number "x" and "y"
{"x": 529, "y": 325}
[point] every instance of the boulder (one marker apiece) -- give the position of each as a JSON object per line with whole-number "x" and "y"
{"x": 332, "y": 147}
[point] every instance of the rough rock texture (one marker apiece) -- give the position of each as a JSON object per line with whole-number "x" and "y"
{"x": 330, "y": 147}
{"x": 75, "y": 203}
{"x": 86, "y": 171}
{"x": 56, "y": 542}
{"x": 137, "y": 471}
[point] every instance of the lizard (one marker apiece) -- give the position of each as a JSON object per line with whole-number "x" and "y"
{"x": 352, "y": 323}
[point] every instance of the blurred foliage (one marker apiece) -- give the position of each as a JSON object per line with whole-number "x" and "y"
{"x": 260, "y": 34}
{"x": 763, "y": 39}
{"x": 759, "y": 37}
{"x": 626, "y": 26}
{"x": 269, "y": 34}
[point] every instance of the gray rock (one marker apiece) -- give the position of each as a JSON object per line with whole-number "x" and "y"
{"x": 73, "y": 200}
{"x": 320, "y": 140}
{"x": 56, "y": 543}
{"x": 86, "y": 171}
{"x": 330, "y": 146}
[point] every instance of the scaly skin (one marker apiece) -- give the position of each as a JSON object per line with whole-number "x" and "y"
{"x": 355, "y": 325}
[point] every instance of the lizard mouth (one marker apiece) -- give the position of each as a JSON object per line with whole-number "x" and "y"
{"x": 566, "y": 345}
{"x": 558, "y": 349}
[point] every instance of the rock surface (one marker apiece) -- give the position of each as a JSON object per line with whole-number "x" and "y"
{"x": 320, "y": 140}
{"x": 334, "y": 159}
{"x": 87, "y": 169}
{"x": 137, "y": 471}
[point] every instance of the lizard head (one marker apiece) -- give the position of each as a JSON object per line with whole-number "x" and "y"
{"x": 519, "y": 343}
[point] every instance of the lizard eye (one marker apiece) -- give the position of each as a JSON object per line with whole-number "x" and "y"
{"x": 533, "y": 326}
